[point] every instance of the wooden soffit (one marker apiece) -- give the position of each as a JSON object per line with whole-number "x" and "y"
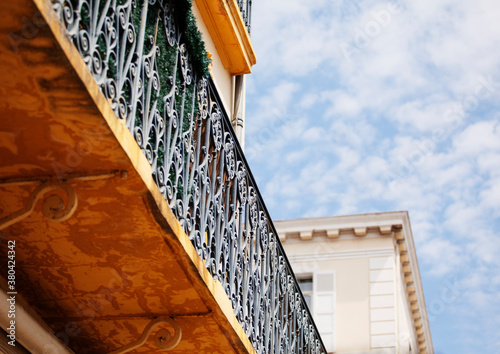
{"x": 229, "y": 33}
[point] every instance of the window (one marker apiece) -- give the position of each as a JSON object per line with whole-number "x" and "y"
{"x": 324, "y": 307}
{"x": 319, "y": 293}
{"x": 306, "y": 285}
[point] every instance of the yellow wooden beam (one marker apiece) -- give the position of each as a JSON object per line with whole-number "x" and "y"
{"x": 228, "y": 31}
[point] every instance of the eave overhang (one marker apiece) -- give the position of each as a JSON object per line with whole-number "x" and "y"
{"x": 229, "y": 33}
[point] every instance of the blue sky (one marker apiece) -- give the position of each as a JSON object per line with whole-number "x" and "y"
{"x": 368, "y": 106}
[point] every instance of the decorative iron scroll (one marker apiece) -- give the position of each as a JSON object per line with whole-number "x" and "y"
{"x": 53, "y": 207}
{"x": 136, "y": 53}
{"x": 164, "y": 340}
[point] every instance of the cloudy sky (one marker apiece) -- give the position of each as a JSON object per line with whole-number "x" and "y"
{"x": 365, "y": 106}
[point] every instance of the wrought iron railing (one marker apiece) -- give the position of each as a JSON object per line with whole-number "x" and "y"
{"x": 246, "y": 11}
{"x": 135, "y": 52}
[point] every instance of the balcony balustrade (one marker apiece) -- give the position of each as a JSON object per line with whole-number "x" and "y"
{"x": 145, "y": 57}
{"x": 246, "y": 12}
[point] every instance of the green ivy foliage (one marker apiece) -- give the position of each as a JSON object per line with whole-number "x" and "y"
{"x": 192, "y": 37}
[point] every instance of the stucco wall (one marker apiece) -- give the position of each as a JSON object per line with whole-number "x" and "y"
{"x": 354, "y": 280}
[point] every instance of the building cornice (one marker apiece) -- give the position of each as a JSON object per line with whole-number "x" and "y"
{"x": 329, "y": 256}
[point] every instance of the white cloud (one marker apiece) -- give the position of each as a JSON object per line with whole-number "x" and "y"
{"x": 437, "y": 249}
{"x": 478, "y": 138}
{"x": 342, "y": 104}
{"x": 415, "y": 104}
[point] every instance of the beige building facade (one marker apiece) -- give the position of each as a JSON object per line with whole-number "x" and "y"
{"x": 361, "y": 277}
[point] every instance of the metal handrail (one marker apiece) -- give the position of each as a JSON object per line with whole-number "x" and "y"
{"x": 246, "y": 12}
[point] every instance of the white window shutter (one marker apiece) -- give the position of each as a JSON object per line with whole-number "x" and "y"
{"x": 324, "y": 307}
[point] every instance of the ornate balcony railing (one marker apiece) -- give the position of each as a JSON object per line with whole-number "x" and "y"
{"x": 139, "y": 54}
{"x": 246, "y": 12}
